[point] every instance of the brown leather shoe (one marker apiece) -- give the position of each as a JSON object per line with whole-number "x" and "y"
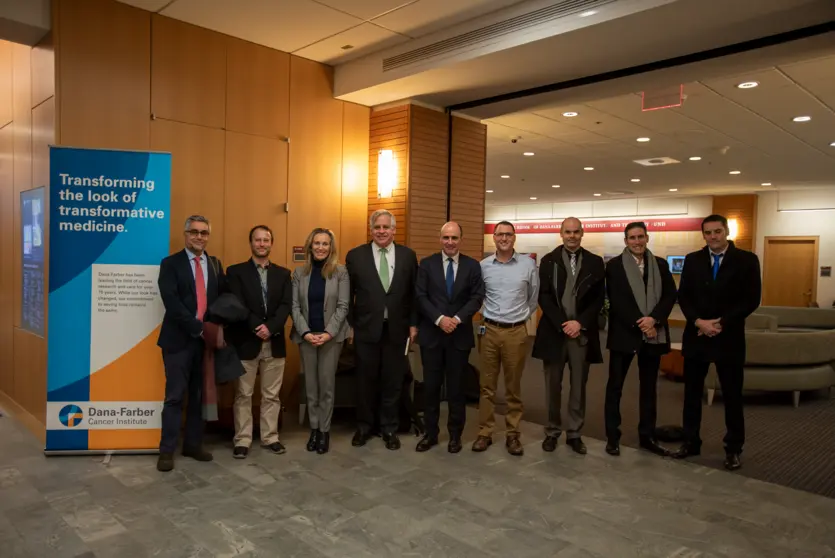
{"x": 482, "y": 443}
{"x": 514, "y": 446}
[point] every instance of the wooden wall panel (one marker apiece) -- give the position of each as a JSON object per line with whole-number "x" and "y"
{"x": 428, "y": 157}
{"x": 315, "y": 193}
{"x": 743, "y": 208}
{"x": 43, "y": 134}
{"x": 354, "y": 221}
{"x": 30, "y": 373}
{"x": 104, "y": 73}
{"x": 22, "y": 126}
{"x": 257, "y": 89}
{"x": 468, "y": 182}
{"x": 389, "y": 129}
{"x": 255, "y": 194}
{"x": 197, "y": 177}
{"x": 6, "y": 85}
{"x": 43, "y": 71}
{"x": 188, "y": 73}
{"x": 6, "y": 258}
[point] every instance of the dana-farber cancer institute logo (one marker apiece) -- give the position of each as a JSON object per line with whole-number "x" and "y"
{"x": 71, "y": 415}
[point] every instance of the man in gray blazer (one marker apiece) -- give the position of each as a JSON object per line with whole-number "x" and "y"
{"x": 321, "y": 290}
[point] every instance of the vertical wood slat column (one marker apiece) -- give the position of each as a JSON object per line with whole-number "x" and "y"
{"x": 428, "y": 168}
{"x": 468, "y": 181}
{"x": 743, "y": 208}
{"x": 423, "y": 199}
{"x": 389, "y": 129}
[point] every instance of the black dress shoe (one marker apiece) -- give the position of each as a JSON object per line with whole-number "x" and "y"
{"x": 313, "y": 441}
{"x": 549, "y": 443}
{"x": 324, "y": 443}
{"x": 577, "y": 445}
{"x": 426, "y": 443}
{"x": 240, "y": 452}
{"x": 198, "y": 454}
{"x": 392, "y": 441}
{"x": 732, "y": 462}
{"x": 652, "y": 446}
{"x": 276, "y": 447}
{"x": 454, "y": 445}
{"x": 165, "y": 462}
{"x": 613, "y": 448}
{"x": 686, "y": 451}
{"x": 359, "y": 439}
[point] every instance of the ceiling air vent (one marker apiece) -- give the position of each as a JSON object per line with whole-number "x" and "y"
{"x": 494, "y": 31}
{"x": 657, "y": 161}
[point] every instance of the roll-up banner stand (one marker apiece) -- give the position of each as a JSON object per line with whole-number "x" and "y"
{"x": 109, "y": 230}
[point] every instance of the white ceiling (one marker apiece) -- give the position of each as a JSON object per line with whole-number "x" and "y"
{"x": 750, "y": 130}
{"x": 318, "y": 29}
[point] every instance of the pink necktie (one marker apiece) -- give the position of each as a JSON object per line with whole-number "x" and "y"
{"x": 200, "y": 286}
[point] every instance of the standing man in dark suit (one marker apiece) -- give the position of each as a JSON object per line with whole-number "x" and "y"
{"x": 189, "y": 282}
{"x": 642, "y": 294}
{"x": 720, "y": 287}
{"x": 571, "y": 295}
{"x": 449, "y": 292}
{"x": 265, "y": 290}
{"x": 383, "y": 314}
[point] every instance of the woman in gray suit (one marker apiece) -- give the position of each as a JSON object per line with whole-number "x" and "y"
{"x": 320, "y": 307}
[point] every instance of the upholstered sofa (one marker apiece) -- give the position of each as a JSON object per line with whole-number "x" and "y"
{"x": 788, "y": 349}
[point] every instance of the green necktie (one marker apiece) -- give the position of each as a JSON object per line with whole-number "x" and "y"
{"x": 384, "y": 269}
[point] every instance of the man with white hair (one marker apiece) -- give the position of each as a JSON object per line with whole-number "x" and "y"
{"x": 383, "y": 315}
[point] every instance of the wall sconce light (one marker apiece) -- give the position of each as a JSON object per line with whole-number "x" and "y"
{"x": 386, "y": 173}
{"x": 733, "y": 229}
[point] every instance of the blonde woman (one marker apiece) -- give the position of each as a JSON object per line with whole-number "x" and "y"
{"x": 320, "y": 307}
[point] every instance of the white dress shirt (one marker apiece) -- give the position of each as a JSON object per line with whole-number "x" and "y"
{"x": 714, "y": 254}
{"x": 375, "y": 249}
{"x": 445, "y": 265}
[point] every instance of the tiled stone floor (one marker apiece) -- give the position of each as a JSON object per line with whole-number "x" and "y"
{"x": 373, "y": 502}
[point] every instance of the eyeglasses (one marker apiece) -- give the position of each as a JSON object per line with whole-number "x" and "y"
{"x": 195, "y": 232}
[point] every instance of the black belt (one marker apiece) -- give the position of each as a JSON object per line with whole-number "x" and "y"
{"x": 503, "y": 325}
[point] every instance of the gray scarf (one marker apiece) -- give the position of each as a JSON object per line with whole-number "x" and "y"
{"x": 646, "y": 297}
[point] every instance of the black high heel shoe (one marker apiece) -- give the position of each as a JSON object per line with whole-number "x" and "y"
{"x": 313, "y": 442}
{"x": 324, "y": 443}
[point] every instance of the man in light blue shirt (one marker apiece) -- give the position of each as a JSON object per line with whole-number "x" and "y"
{"x": 511, "y": 289}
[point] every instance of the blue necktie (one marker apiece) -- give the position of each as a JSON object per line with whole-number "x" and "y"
{"x": 450, "y": 278}
{"x": 717, "y": 259}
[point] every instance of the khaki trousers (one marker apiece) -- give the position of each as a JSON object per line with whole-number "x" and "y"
{"x": 272, "y": 374}
{"x": 505, "y": 349}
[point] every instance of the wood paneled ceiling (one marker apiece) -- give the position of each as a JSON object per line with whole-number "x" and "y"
{"x": 731, "y": 129}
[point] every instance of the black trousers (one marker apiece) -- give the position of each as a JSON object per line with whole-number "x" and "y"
{"x": 648, "y": 365}
{"x": 380, "y": 371}
{"x": 183, "y": 376}
{"x": 439, "y": 364}
{"x": 731, "y": 376}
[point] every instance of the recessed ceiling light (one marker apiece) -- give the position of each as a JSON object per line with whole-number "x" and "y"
{"x": 528, "y": 153}
{"x": 533, "y": 198}
{"x": 802, "y": 118}
{"x": 505, "y": 176}
{"x": 832, "y": 144}
{"x": 489, "y": 191}
{"x": 636, "y": 180}
{"x": 748, "y": 85}
{"x": 597, "y": 195}
{"x": 766, "y": 184}
{"x": 588, "y": 168}
{"x": 673, "y": 189}
{"x": 555, "y": 185}
{"x": 643, "y": 140}
{"x": 588, "y": 13}
{"x": 695, "y": 158}
{"x": 735, "y": 172}
{"x": 570, "y": 114}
